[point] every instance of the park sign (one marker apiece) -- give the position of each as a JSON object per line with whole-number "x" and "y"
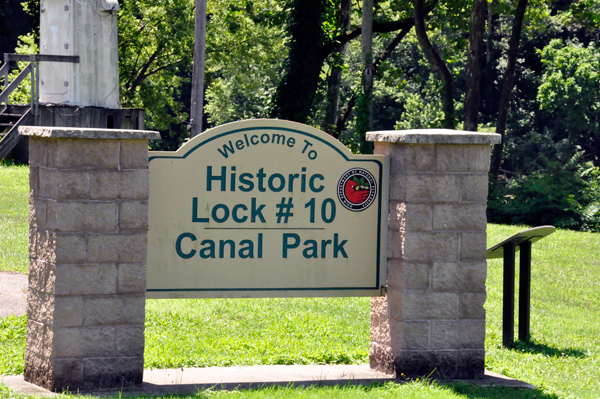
{"x": 266, "y": 208}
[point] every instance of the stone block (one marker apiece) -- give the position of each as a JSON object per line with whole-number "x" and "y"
{"x": 381, "y": 358}
{"x": 418, "y": 364}
{"x": 39, "y": 338}
{"x": 470, "y": 305}
{"x": 37, "y": 369}
{"x": 418, "y": 157}
{"x": 89, "y": 217}
{"x": 395, "y": 243}
{"x": 132, "y": 278}
{"x": 84, "y": 342}
{"x": 458, "y": 334}
{"x": 463, "y": 158}
{"x": 115, "y": 310}
{"x": 419, "y": 217}
{"x": 383, "y": 148}
{"x": 432, "y": 188}
{"x": 134, "y": 154}
{"x": 67, "y": 374}
{"x": 133, "y": 216}
{"x": 41, "y": 276}
{"x": 120, "y": 248}
{"x": 459, "y": 276}
{"x": 119, "y": 185}
{"x": 68, "y": 311}
{"x": 417, "y": 276}
{"x": 89, "y": 279}
{"x": 83, "y": 154}
{"x": 379, "y": 305}
{"x": 408, "y": 275}
{"x": 394, "y": 299}
{"x": 34, "y": 173}
{"x": 115, "y": 372}
{"x": 37, "y": 213}
{"x": 470, "y": 364}
{"x": 473, "y": 246}
{"x": 38, "y": 152}
{"x": 431, "y": 246}
{"x": 130, "y": 341}
{"x": 40, "y": 307}
{"x": 474, "y": 188}
{"x": 423, "y": 305}
{"x": 380, "y": 329}
{"x": 397, "y": 216}
{"x": 464, "y": 217}
{"x": 57, "y": 247}
{"x": 63, "y": 184}
{"x": 398, "y": 187}
{"x": 409, "y": 335}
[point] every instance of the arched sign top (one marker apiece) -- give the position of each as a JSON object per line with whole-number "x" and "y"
{"x": 238, "y": 136}
{"x": 266, "y": 208}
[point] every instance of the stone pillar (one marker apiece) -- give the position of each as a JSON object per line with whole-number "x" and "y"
{"x": 88, "y": 226}
{"x": 432, "y": 318}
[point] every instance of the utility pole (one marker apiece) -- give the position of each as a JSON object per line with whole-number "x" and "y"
{"x": 198, "y": 73}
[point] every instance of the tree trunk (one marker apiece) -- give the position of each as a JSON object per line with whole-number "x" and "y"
{"x": 367, "y": 57}
{"x": 437, "y": 64}
{"x": 196, "y": 111}
{"x": 474, "y": 52}
{"x": 341, "y": 123}
{"x": 335, "y": 79}
{"x": 487, "y": 86}
{"x": 294, "y": 97}
{"x": 507, "y": 86}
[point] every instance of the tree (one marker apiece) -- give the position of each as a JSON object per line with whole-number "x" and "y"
{"x": 197, "y": 102}
{"x": 507, "y": 86}
{"x": 437, "y": 65}
{"x": 155, "y": 54}
{"x": 475, "y": 50}
{"x": 335, "y": 78}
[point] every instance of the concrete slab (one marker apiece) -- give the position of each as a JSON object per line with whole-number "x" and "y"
{"x": 13, "y": 294}
{"x": 191, "y": 380}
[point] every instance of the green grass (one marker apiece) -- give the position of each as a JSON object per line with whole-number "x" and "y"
{"x": 563, "y": 360}
{"x": 233, "y": 332}
{"x": 14, "y": 213}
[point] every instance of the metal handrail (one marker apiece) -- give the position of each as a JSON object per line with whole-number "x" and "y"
{"x": 8, "y": 89}
{"x": 34, "y": 68}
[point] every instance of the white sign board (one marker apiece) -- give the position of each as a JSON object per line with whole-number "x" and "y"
{"x": 266, "y": 208}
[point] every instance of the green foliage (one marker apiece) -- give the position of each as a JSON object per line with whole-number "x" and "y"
{"x": 244, "y": 56}
{"x": 22, "y": 94}
{"x": 155, "y": 58}
{"x": 566, "y": 196}
{"x": 568, "y": 93}
{"x": 12, "y": 344}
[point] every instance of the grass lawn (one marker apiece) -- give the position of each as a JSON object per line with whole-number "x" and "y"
{"x": 563, "y": 359}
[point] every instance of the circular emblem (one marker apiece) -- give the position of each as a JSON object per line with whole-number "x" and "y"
{"x": 357, "y": 189}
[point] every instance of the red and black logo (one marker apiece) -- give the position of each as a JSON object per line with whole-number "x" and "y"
{"x": 357, "y": 189}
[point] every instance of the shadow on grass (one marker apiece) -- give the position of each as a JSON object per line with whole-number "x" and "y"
{"x": 499, "y": 392}
{"x": 534, "y": 347}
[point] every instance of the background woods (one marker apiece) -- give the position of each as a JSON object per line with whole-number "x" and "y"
{"x": 527, "y": 69}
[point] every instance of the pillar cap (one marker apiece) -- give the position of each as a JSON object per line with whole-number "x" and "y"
{"x": 87, "y": 133}
{"x": 433, "y": 136}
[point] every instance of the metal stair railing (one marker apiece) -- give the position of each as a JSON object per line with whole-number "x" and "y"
{"x": 33, "y": 67}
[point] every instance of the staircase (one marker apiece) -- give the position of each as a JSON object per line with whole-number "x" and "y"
{"x": 10, "y": 119}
